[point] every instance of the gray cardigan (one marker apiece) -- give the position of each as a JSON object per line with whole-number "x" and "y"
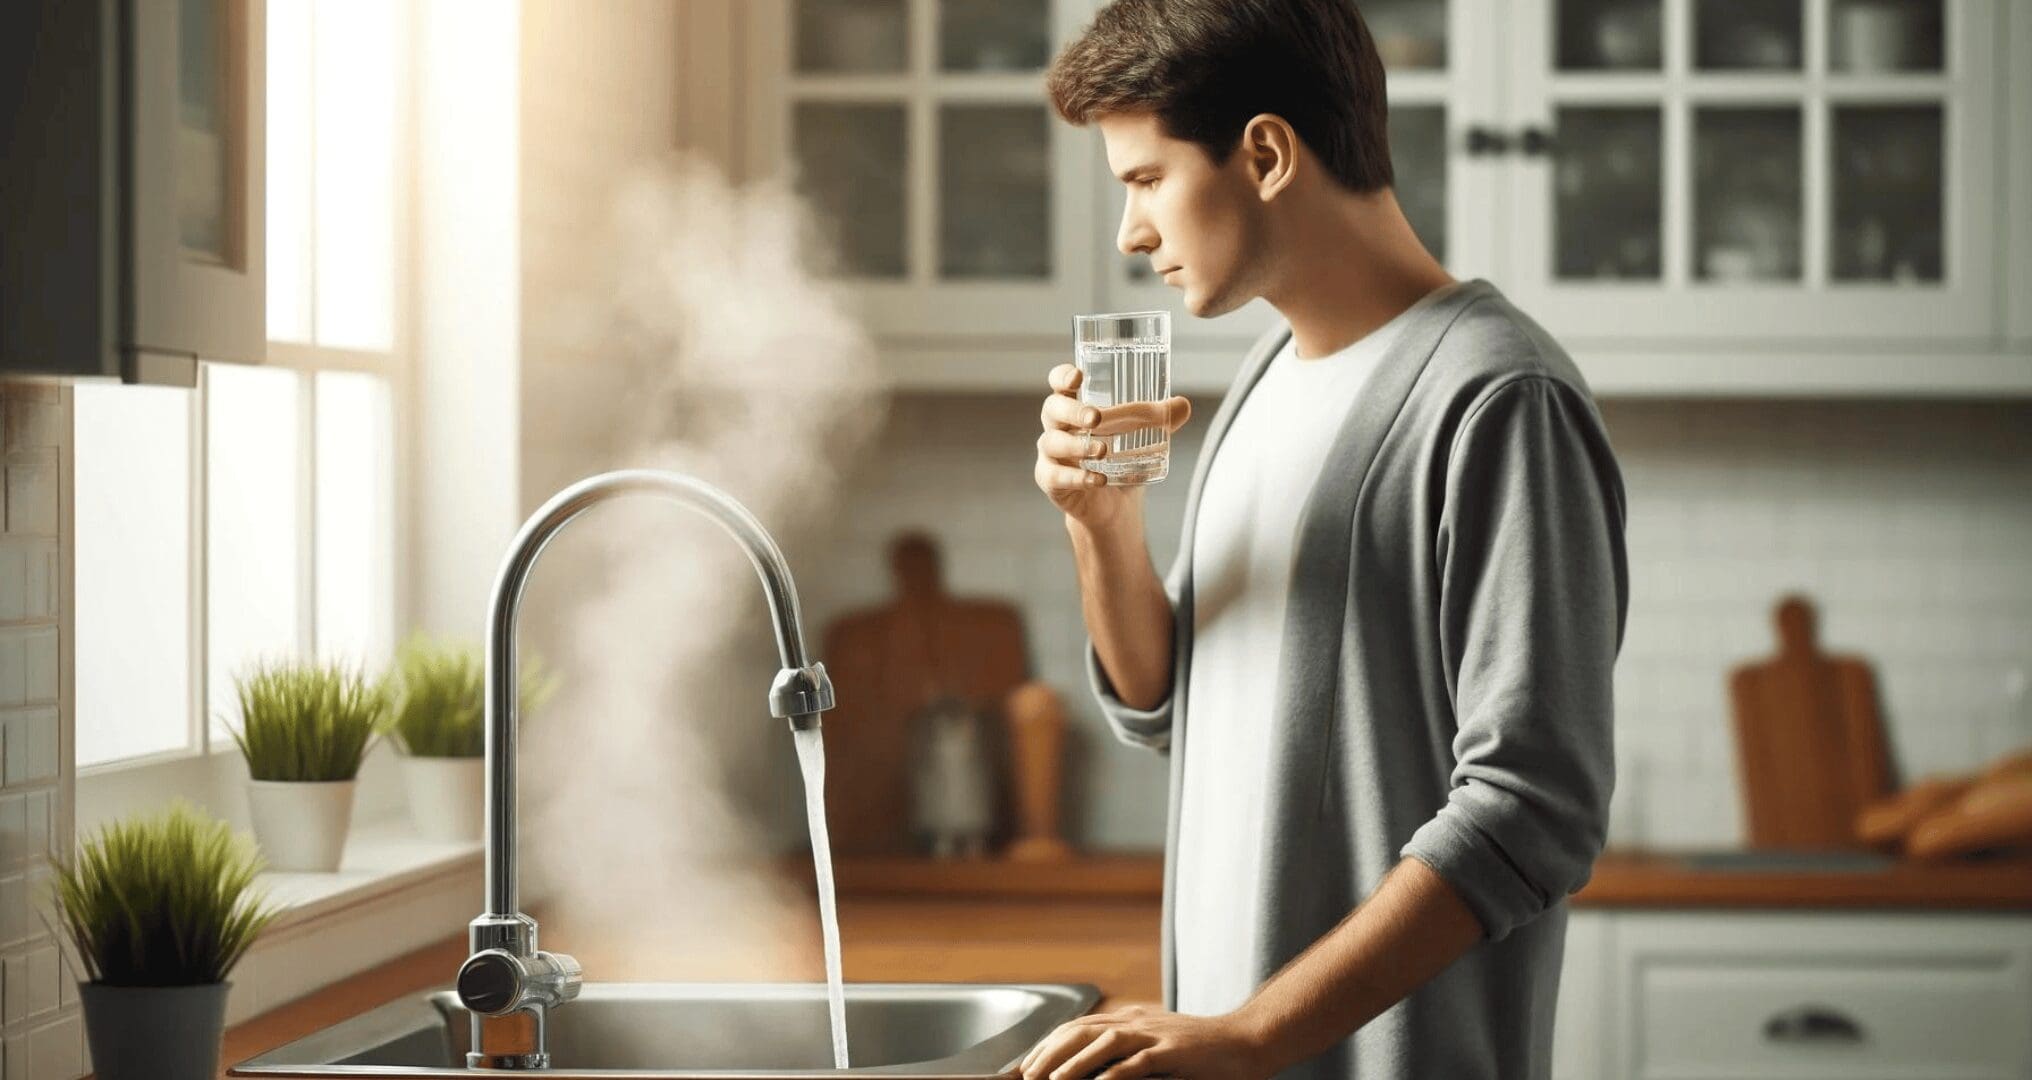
{"x": 1457, "y": 602}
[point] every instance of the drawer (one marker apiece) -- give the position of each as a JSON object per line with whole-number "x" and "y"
{"x": 1814, "y": 1016}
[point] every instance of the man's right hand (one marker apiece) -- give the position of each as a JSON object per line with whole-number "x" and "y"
{"x": 1076, "y": 432}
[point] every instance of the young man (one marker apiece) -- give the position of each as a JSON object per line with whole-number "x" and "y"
{"x": 1381, "y": 664}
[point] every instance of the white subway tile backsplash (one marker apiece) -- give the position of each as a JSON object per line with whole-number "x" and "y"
{"x": 15, "y": 992}
{"x": 14, "y": 560}
{"x": 1908, "y": 524}
{"x": 32, "y": 499}
{"x": 32, "y": 423}
{"x": 37, "y": 825}
{"x": 28, "y": 743}
{"x": 40, "y": 1024}
{"x": 43, "y": 993}
{"x": 55, "y": 1049}
{"x": 39, "y": 661}
{"x": 16, "y": 837}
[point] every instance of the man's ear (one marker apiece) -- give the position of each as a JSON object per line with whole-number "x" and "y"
{"x": 1270, "y": 151}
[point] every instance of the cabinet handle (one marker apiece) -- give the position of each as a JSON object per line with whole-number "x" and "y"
{"x": 1812, "y": 1024}
{"x": 1536, "y": 142}
{"x": 1483, "y": 142}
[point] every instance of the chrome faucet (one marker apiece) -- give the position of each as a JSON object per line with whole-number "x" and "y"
{"x": 506, "y": 972}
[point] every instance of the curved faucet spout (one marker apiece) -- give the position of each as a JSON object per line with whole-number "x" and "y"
{"x": 506, "y": 972}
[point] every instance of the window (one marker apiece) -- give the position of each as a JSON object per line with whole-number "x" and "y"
{"x": 255, "y": 517}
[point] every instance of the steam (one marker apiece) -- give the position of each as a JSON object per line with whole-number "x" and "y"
{"x": 653, "y": 776}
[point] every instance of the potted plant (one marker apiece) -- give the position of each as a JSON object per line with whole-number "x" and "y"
{"x": 304, "y": 728}
{"x": 159, "y": 908}
{"x": 439, "y": 723}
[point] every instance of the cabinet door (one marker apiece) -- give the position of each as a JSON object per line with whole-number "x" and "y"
{"x": 2018, "y": 285}
{"x": 195, "y": 268}
{"x": 1756, "y": 169}
{"x": 1820, "y": 995}
{"x": 919, "y": 132}
{"x": 1437, "y": 56}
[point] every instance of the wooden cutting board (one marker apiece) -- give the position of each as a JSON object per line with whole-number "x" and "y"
{"x": 887, "y": 662}
{"x": 1809, "y": 744}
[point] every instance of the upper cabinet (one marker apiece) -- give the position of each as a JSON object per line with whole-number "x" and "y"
{"x": 2018, "y": 208}
{"x": 134, "y": 222}
{"x": 1699, "y": 196}
{"x": 950, "y": 194}
{"x": 1756, "y": 170}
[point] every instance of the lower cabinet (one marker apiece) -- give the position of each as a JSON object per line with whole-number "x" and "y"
{"x": 1711, "y": 995}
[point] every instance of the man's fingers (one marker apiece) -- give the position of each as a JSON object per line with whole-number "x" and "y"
{"x": 1169, "y": 414}
{"x": 1065, "y": 378}
{"x": 1110, "y": 1045}
{"x": 1053, "y": 477}
{"x": 1056, "y": 1048}
{"x": 1068, "y": 414}
{"x": 1137, "y": 1065}
{"x": 1066, "y": 447}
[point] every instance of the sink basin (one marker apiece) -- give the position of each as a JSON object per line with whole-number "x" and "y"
{"x": 707, "y": 1030}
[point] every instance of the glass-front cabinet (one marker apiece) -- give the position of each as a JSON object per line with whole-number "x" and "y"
{"x": 943, "y": 186}
{"x": 1755, "y": 169}
{"x": 1645, "y": 177}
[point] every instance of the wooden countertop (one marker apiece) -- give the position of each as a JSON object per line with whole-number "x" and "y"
{"x": 1633, "y": 880}
{"x": 1621, "y": 879}
{"x": 995, "y": 922}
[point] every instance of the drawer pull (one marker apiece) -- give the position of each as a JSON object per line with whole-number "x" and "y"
{"x": 1812, "y": 1024}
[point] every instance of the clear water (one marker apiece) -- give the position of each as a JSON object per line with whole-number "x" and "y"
{"x": 811, "y": 759}
{"x": 1116, "y": 374}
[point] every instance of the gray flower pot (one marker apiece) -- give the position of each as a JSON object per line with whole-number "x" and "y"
{"x": 155, "y": 1032}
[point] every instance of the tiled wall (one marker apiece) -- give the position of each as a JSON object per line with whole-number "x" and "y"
{"x": 1908, "y": 523}
{"x": 39, "y": 1018}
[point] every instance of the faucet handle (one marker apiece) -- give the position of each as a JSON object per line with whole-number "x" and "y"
{"x": 494, "y": 982}
{"x": 491, "y": 982}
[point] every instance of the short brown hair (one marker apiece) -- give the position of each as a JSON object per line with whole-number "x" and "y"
{"x": 1204, "y": 67}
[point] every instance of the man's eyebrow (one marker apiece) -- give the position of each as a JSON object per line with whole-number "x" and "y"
{"x": 1125, "y": 174}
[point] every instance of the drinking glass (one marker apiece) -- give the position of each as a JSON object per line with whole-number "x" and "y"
{"x": 1126, "y": 357}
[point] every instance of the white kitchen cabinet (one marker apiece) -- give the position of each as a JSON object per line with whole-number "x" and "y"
{"x": 2018, "y": 205}
{"x": 920, "y": 133}
{"x": 1765, "y": 172}
{"x": 1696, "y": 196}
{"x": 135, "y": 242}
{"x": 1802, "y": 996}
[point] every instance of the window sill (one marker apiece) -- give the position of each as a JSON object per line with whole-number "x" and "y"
{"x": 394, "y": 892}
{"x": 382, "y": 858}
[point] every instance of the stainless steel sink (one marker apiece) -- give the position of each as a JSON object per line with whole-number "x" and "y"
{"x": 710, "y": 1030}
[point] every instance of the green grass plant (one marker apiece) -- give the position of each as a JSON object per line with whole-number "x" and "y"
{"x": 440, "y": 707}
{"x": 162, "y": 900}
{"x": 306, "y": 722}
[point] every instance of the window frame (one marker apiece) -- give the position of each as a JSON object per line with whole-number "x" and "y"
{"x": 170, "y": 769}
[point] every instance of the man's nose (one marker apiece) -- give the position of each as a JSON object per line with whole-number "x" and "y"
{"x": 1134, "y": 237}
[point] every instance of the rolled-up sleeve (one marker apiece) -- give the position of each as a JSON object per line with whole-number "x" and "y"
{"x": 1534, "y": 589}
{"x": 1147, "y": 728}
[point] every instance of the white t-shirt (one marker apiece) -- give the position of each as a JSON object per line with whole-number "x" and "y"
{"x": 1243, "y": 544}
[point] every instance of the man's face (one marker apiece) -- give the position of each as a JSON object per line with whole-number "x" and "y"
{"x": 1185, "y": 212}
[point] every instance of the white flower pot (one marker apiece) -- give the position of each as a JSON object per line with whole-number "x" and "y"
{"x": 447, "y": 796}
{"x": 301, "y": 826}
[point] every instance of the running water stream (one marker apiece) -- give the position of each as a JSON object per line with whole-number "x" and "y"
{"x": 811, "y": 759}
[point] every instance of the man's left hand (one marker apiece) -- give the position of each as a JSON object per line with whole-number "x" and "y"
{"x": 1138, "y": 1041}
